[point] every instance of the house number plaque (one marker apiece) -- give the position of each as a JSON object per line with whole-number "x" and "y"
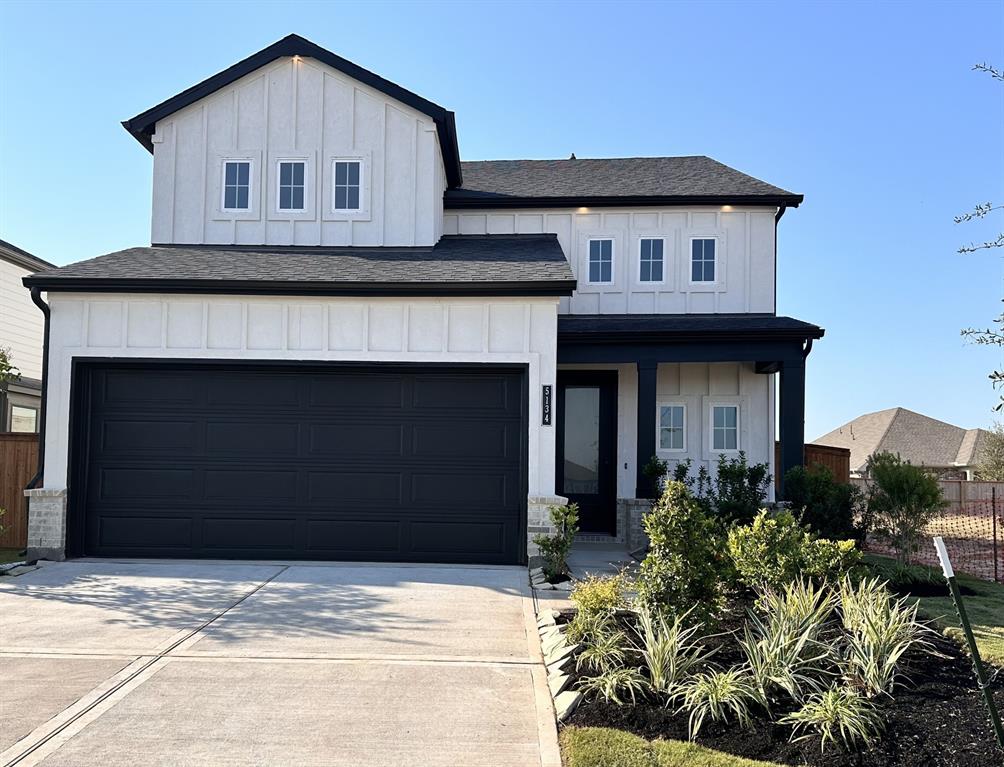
{"x": 546, "y": 407}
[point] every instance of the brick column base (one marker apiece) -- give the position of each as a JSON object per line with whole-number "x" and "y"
{"x": 46, "y": 525}
{"x": 538, "y": 518}
{"x": 632, "y": 510}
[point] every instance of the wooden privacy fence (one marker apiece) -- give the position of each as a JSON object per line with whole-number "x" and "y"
{"x": 836, "y": 459}
{"x": 18, "y": 463}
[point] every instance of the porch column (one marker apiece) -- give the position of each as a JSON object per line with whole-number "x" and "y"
{"x": 646, "y": 425}
{"x": 792, "y": 415}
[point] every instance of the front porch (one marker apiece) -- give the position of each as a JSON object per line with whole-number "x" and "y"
{"x": 679, "y": 387}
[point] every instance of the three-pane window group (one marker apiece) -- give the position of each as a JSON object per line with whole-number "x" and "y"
{"x": 291, "y": 185}
{"x": 724, "y": 427}
{"x": 651, "y": 260}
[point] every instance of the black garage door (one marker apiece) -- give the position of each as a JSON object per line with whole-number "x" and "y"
{"x": 336, "y": 462}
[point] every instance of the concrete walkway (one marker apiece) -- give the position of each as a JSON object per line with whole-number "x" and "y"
{"x": 180, "y": 663}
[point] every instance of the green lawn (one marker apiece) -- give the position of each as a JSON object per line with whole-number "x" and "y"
{"x": 986, "y": 613}
{"x": 603, "y": 747}
{"x": 10, "y": 555}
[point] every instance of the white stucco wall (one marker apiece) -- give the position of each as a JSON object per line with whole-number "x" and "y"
{"x": 272, "y": 328}
{"x": 21, "y": 322}
{"x": 697, "y": 386}
{"x": 745, "y": 261}
{"x": 298, "y": 109}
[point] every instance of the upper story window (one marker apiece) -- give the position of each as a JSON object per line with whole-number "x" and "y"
{"x": 236, "y": 185}
{"x": 702, "y": 259}
{"x": 651, "y": 260}
{"x": 601, "y": 261}
{"x": 348, "y": 183}
{"x": 724, "y": 427}
{"x": 672, "y": 430}
{"x": 292, "y": 184}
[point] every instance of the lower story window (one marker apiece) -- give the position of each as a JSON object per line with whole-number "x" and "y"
{"x": 725, "y": 427}
{"x": 23, "y": 419}
{"x": 671, "y": 428}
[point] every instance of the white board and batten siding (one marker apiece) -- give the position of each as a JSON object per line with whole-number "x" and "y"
{"x": 745, "y": 253}
{"x": 298, "y": 109}
{"x": 422, "y": 330}
{"x": 21, "y": 323}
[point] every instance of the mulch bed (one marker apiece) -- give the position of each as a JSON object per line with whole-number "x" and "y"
{"x": 937, "y": 719}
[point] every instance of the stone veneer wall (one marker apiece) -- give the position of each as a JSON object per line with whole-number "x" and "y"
{"x": 46, "y": 525}
{"x": 538, "y": 518}
{"x": 631, "y": 510}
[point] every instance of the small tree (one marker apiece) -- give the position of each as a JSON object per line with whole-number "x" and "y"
{"x": 554, "y": 548}
{"x": 991, "y": 468}
{"x": 902, "y": 500}
{"x": 685, "y": 564}
{"x": 8, "y": 372}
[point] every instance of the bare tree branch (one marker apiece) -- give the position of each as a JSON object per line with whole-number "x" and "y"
{"x": 994, "y": 73}
{"x": 973, "y": 247}
{"x": 978, "y": 212}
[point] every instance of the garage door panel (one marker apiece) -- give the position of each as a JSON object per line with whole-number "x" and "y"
{"x": 326, "y": 462}
{"x": 245, "y": 533}
{"x": 137, "y": 483}
{"x": 252, "y": 437}
{"x": 355, "y": 439}
{"x": 340, "y": 488}
{"x": 129, "y": 435}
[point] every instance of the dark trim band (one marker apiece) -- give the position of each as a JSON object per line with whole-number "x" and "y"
{"x": 460, "y": 199}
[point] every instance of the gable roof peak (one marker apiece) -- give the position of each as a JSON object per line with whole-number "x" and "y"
{"x": 142, "y": 125}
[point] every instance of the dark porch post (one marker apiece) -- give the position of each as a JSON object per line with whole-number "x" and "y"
{"x": 646, "y": 425}
{"x": 792, "y": 415}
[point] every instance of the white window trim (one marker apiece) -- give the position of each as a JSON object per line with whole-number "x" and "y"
{"x": 658, "y": 426}
{"x": 613, "y": 259}
{"x": 665, "y": 260}
{"x": 362, "y": 184}
{"x": 278, "y": 184}
{"x": 690, "y": 259}
{"x": 223, "y": 184}
{"x": 711, "y": 427}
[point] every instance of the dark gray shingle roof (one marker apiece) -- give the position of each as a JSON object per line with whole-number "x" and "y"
{"x": 517, "y": 263}
{"x": 660, "y": 178}
{"x": 682, "y": 326}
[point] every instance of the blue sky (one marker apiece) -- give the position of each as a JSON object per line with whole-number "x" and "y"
{"x": 868, "y": 109}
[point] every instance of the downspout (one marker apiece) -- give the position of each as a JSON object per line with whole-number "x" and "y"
{"x": 777, "y": 219}
{"x": 807, "y": 349}
{"x": 36, "y": 298}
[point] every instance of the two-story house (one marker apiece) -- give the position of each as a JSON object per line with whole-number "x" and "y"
{"x": 345, "y": 343}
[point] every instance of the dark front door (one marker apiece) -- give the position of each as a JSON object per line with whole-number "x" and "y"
{"x": 392, "y": 463}
{"x": 587, "y": 447}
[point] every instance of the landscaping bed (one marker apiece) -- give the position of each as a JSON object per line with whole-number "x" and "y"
{"x": 937, "y": 719}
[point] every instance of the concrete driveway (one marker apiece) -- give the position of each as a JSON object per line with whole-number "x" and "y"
{"x": 179, "y": 663}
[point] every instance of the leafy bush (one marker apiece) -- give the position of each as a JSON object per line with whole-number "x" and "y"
{"x": 655, "y": 470}
{"x": 596, "y": 594}
{"x": 685, "y": 564}
{"x": 775, "y": 550}
{"x": 740, "y": 490}
{"x": 554, "y": 548}
{"x": 784, "y": 649}
{"x": 829, "y": 508}
{"x": 838, "y": 711}
{"x": 720, "y": 695}
{"x": 615, "y": 685}
{"x": 880, "y": 630}
{"x": 902, "y": 500}
{"x": 669, "y": 650}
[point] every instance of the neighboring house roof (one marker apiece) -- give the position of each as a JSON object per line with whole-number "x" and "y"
{"x": 496, "y": 264}
{"x": 922, "y": 440}
{"x": 617, "y": 328}
{"x": 621, "y": 181}
{"x": 15, "y": 255}
{"x": 142, "y": 125}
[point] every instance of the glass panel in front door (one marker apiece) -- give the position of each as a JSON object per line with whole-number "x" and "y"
{"x": 582, "y": 440}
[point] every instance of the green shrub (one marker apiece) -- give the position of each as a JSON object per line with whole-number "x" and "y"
{"x": 775, "y": 550}
{"x": 597, "y": 594}
{"x": 720, "y": 695}
{"x": 880, "y": 629}
{"x": 839, "y": 711}
{"x": 670, "y": 651}
{"x": 554, "y": 548}
{"x": 655, "y": 470}
{"x": 604, "y": 652}
{"x": 615, "y": 685}
{"x": 740, "y": 489}
{"x": 685, "y": 566}
{"x": 902, "y": 500}
{"x": 830, "y": 509}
